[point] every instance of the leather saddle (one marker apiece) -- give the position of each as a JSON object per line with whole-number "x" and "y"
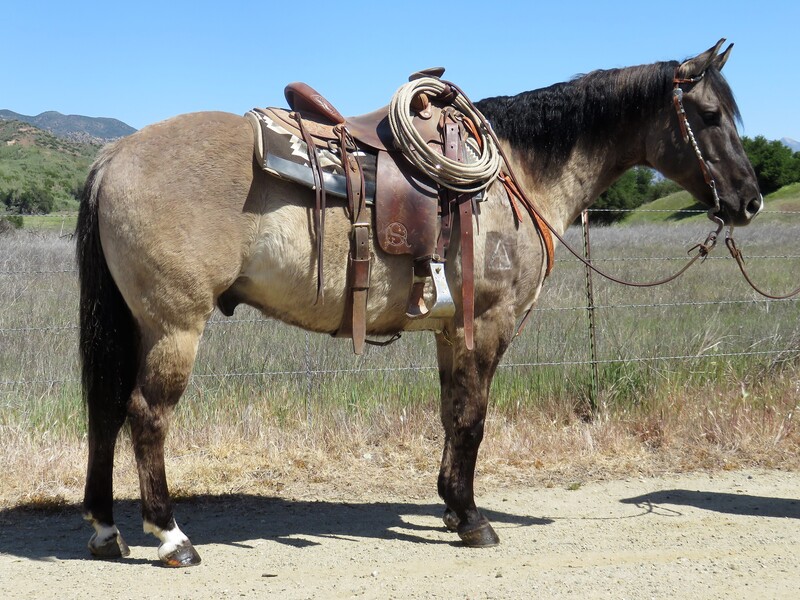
{"x": 412, "y": 215}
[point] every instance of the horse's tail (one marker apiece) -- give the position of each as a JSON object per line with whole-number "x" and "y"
{"x": 108, "y": 343}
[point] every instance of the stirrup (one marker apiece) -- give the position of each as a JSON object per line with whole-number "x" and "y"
{"x": 443, "y": 305}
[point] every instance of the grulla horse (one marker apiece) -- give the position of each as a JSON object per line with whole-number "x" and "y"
{"x": 179, "y": 214}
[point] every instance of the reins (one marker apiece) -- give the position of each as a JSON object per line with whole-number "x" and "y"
{"x": 739, "y": 258}
{"x": 703, "y": 249}
{"x": 509, "y": 179}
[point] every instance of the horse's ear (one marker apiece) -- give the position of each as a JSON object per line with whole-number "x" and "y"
{"x": 694, "y": 67}
{"x": 720, "y": 60}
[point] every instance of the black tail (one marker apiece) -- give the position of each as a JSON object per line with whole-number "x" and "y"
{"x": 108, "y": 344}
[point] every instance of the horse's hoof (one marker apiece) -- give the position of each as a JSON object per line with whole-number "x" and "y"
{"x": 478, "y": 536}
{"x": 110, "y": 548}
{"x": 183, "y": 555}
{"x": 451, "y": 520}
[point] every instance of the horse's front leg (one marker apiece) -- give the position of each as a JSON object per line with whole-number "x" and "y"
{"x": 465, "y": 378}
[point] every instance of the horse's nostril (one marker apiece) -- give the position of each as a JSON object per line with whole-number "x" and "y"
{"x": 754, "y": 206}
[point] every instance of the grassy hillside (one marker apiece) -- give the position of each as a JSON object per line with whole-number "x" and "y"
{"x": 31, "y": 158}
{"x": 681, "y": 206}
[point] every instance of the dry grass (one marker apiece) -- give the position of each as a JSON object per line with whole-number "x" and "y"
{"x": 388, "y": 453}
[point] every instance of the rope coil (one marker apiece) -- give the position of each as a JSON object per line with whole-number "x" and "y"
{"x": 462, "y": 177}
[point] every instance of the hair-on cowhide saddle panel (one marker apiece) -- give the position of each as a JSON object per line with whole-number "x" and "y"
{"x": 281, "y": 152}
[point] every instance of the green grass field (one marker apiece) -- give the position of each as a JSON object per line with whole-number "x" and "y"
{"x": 680, "y": 206}
{"x": 61, "y": 222}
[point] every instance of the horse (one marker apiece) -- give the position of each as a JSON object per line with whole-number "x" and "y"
{"x": 179, "y": 215}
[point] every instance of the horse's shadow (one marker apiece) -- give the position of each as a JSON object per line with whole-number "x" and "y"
{"x": 733, "y": 504}
{"x": 236, "y": 519}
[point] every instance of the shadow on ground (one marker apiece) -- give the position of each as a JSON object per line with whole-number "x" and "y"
{"x": 733, "y": 504}
{"x": 60, "y": 533}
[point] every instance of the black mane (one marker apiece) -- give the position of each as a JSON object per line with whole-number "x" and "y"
{"x": 547, "y": 123}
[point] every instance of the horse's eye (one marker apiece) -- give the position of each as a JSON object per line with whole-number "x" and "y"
{"x": 710, "y": 118}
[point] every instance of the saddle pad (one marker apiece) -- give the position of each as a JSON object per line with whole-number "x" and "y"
{"x": 282, "y": 154}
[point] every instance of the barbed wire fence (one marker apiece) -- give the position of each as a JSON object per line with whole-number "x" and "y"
{"x": 312, "y": 365}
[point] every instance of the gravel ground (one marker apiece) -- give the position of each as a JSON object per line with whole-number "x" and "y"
{"x": 730, "y": 534}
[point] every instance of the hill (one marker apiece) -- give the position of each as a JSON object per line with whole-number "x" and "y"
{"x": 681, "y": 205}
{"x": 40, "y": 172}
{"x": 793, "y": 145}
{"x": 74, "y": 127}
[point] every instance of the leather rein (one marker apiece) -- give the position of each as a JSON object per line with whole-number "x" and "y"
{"x": 702, "y": 249}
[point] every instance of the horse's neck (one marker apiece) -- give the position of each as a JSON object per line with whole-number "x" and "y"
{"x": 569, "y": 142}
{"x": 567, "y": 189}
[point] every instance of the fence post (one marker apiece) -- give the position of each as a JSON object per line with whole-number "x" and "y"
{"x": 587, "y": 254}
{"x": 309, "y": 380}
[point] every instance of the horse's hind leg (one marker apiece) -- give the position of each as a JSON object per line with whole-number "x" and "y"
{"x": 465, "y": 380}
{"x": 167, "y": 360}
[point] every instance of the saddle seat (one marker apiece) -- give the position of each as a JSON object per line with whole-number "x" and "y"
{"x": 371, "y": 129}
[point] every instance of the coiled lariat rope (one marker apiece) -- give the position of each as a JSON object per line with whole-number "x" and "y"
{"x": 463, "y": 177}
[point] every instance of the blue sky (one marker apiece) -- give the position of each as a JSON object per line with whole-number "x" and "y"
{"x": 144, "y": 61}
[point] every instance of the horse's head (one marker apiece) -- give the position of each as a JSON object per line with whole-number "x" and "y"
{"x": 698, "y": 145}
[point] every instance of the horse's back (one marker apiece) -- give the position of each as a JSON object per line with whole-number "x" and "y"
{"x": 172, "y": 205}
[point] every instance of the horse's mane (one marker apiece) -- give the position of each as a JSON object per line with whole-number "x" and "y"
{"x": 546, "y": 123}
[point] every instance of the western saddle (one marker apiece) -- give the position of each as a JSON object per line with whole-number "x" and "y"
{"x": 413, "y": 214}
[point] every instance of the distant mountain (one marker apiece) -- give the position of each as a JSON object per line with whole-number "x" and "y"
{"x": 74, "y": 127}
{"x": 790, "y": 143}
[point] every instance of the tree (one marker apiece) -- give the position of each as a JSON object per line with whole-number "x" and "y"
{"x": 29, "y": 201}
{"x": 630, "y": 191}
{"x": 775, "y": 164}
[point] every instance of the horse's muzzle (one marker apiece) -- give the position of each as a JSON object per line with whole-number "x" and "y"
{"x": 742, "y": 214}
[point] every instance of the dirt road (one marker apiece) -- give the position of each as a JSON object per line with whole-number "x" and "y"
{"x": 732, "y": 534}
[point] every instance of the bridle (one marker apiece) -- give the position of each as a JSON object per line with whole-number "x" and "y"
{"x": 703, "y": 249}
{"x": 688, "y": 137}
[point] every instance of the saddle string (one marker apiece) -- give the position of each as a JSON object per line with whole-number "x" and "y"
{"x": 320, "y": 201}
